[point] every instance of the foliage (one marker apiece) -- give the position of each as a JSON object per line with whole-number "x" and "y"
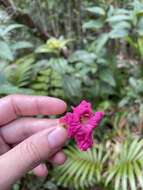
{"x": 78, "y": 50}
{"x": 82, "y": 169}
{"x": 121, "y": 165}
{"x": 127, "y": 166}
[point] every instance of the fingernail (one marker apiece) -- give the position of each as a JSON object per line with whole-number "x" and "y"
{"x": 57, "y": 137}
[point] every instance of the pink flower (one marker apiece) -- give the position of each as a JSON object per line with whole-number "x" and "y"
{"x": 73, "y": 123}
{"x": 83, "y": 109}
{"x": 96, "y": 119}
{"x": 80, "y": 124}
{"x": 84, "y": 138}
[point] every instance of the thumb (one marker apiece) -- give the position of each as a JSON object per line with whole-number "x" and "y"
{"x": 29, "y": 154}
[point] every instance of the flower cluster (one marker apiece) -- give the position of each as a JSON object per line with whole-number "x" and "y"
{"x": 80, "y": 124}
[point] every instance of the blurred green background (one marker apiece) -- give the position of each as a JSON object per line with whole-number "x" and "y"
{"x": 75, "y": 50}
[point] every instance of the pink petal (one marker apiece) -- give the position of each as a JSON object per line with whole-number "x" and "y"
{"x": 96, "y": 119}
{"x": 84, "y": 108}
{"x": 80, "y": 124}
{"x": 84, "y": 139}
{"x": 73, "y": 123}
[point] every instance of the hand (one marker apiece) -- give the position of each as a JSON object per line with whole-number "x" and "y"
{"x": 26, "y": 142}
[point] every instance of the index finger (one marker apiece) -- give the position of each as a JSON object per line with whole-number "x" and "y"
{"x": 22, "y": 105}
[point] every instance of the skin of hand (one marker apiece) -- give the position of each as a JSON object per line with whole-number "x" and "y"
{"x": 26, "y": 141}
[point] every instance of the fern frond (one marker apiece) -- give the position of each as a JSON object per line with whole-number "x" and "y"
{"x": 48, "y": 82}
{"x": 82, "y": 169}
{"x": 20, "y": 73}
{"x": 127, "y": 167}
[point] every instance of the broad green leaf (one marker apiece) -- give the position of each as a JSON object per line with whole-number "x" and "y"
{"x": 140, "y": 27}
{"x": 83, "y": 56}
{"x": 93, "y": 24}
{"x": 119, "y": 33}
{"x": 122, "y": 25}
{"x": 122, "y": 11}
{"x": 72, "y": 86}
{"x": 119, "y": 18}
{"x": 51, "y": 186}
{"x": 60, "y": 65}
{"x": 124, "y": 102}
{"x": 3, "y": 79}
{"x": 133, "y": 82}
{"x": 22, "y": 45}
{"x": 101, "y": 42}
{"x": 5, "y": 51}
{"x": 111, "y": 11}
{"x": 44, "y": 49}
{"x": 97, "y": 11}
{"x": 107, "y": 76}
{"x": 11, "y": 27}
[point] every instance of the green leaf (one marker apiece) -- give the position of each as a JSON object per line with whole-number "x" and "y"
{"x": 51, "y": 186}
{"x": 22, "y": 45}
{"x": 140, "y": 27}
{"x": 101, "y": 42}
{"x": 122, "y": 25}
{"x": 3, "y": 79}
{"x": 140, "y": 45}
{"x": 135, "y": 148}
{"x": 5, "y": 51}
{"x": 72, "y": 86}
{"x": 110, "y": 177}
{"x": 139, "y": 13}
{"x": 118, "y": 179}
{"x": 138, "y": 172}
{"x": 133, "y": 82}
{"x": 11, "y": 27}
{"x": 82, "y": 169}
{"x": 44, "y": 49}
{"x": 107, "y": 76}
{"x": 131, "y": 177}
{"x": 60, "y": 65}
{"x": 97, "y": 11}
{"x": 53, "y": 45}
{"x": 132, "y": 149}
{"x": 119, "y": 33}
{"x": 121, "y": 11}
{"x": 119, "y": 18}
{"x": 16, "y": 187}
{"x": 21, "y": 74}
{"x": 124, "y": 178}
{"x": 93, "y": 24}
{"x": 83, "y": 56}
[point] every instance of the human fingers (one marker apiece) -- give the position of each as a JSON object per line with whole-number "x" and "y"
{"x": 22, "y": 128}
{"x": 29, "y": 154}
{"x": 14, "y": 106}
